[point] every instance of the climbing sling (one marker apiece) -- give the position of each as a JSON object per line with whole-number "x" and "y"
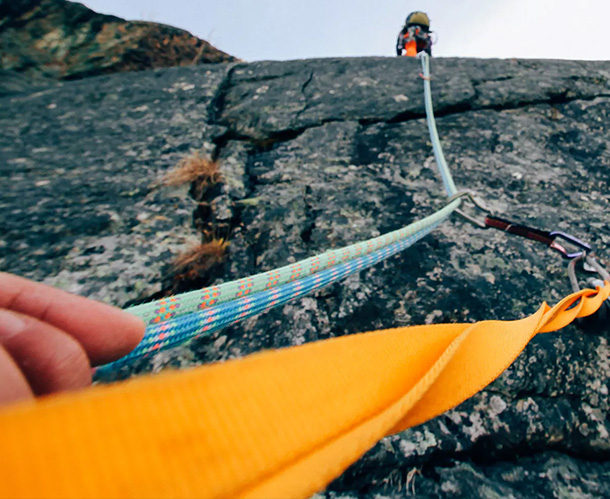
{"x": 275, "y": 424}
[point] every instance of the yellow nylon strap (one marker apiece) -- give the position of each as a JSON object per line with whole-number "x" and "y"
{"x": 277, "y": 424}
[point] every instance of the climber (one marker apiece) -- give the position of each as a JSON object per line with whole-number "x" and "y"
{"x": 415, "y": 35}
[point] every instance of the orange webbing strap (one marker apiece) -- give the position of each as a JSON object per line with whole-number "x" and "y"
{"x": 277, "y": 424}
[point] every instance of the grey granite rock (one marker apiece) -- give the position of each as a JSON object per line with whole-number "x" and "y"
{"x": 269, "y": 98}
{"x": 317, "y": 154}
{"x": 12, "y": 82}
{"x": 80, "y": 161}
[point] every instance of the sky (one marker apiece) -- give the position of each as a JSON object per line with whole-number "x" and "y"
{"x": 255, "y": 30}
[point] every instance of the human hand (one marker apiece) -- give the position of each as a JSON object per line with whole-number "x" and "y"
{"x": 50, "y": 339}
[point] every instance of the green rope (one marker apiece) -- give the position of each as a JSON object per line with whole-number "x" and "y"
{"x": 186, "y": 303}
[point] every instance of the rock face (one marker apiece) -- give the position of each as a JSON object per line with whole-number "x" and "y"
{"x": 321, "y": 153}
{"x": 66, "y": 40}
{"x": 81, "y": 159}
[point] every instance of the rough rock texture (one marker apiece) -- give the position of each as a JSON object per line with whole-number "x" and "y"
{"x": 317, "y": 154}
{"x": 81, "y": 211}
{"x": 12, "y": 82}
{"x": 66, "y": 40}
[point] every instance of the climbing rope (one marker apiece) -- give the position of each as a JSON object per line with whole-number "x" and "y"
{"x": 186, "y": 303}
{"x": 436, "y": 143}
{"x": 181, "y": 329}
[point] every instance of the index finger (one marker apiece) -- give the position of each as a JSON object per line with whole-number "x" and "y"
{"x": 105, "y": 332}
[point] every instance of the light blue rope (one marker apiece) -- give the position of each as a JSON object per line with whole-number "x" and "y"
{"x": 436, "y": 143}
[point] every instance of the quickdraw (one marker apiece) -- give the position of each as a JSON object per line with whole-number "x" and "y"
{"x": 582, "y": 252}
{"x": 542, "y": 236}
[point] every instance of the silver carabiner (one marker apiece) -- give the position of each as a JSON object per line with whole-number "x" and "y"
{"x": 593, "y": 266}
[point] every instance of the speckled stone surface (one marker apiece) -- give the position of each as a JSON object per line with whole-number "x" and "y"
{"x": 80, "y": 210}
{"x": 320, "y": 153}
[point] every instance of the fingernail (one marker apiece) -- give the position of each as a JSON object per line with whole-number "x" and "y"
{"x": 10, "y": 324}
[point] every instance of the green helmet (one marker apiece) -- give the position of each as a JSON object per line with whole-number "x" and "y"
{"x": 417, "y": 17}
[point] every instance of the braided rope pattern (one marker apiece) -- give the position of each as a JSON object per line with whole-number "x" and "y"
{"x": 174, "y": 332}
{"x": 171, "y": 308}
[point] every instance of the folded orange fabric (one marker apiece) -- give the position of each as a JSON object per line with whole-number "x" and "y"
{"x": 276, "y": 424}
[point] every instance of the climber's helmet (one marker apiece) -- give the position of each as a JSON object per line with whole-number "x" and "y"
{"x": 419, "y": 18}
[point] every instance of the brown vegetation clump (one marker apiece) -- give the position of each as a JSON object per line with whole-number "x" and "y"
{"x": 201, "y": 172}
{"x": 198, "y": 261}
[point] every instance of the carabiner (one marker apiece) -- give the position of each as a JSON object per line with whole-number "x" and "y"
{"x": 476, "y": 202}
{"x": 542, "y": 236}
{"x": 600, "y": 319}
{"x": 572, "y": 240}
{"x": 594, "y": 266}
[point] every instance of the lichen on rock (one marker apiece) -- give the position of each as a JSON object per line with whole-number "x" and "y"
{"x": 59, "y": 39}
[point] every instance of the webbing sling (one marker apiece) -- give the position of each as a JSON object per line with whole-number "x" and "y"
{"x": 276, "y": 424}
